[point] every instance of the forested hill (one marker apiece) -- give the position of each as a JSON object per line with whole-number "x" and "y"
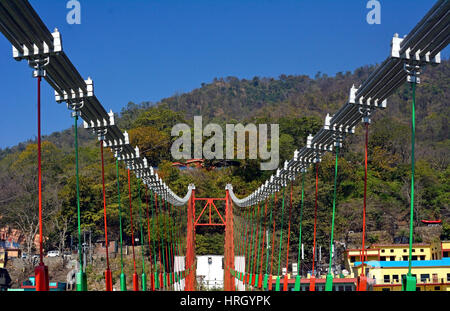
{"x": 298, "y": 96}
{"x": 299, "y": 104}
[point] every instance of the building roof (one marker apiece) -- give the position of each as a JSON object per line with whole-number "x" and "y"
{"x": 404, "y": 263}
{"x": 400, "y": 245}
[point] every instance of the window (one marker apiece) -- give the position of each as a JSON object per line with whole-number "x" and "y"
{"x": 387, "y": 278}
{"x": 413, "y": 250}
{"x": 352, "y": 259}
{"x": 392, "y": 258}
{"x": 392, "y": 250}
{"x": 414, "y": 257}
{"x": 421, "y": 250}
{"x": 404, "y": 250}
{"x": 437, "y": 288}
{"x": 448, "y": 277}
{"x": 386, "y": 289}
{"x": 424, "y": 277}
{"x": 348, "y": 288}
{"x": 405, "y": 258}
{"x": 435, "y": 278}
{"x": 422, "y": 257}
{"x": 382, "y": 250}
{"x": 395, "y": 277}
{"x": 382, "y": 258}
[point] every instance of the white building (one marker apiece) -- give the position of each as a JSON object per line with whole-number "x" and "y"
{"x": 210, "y": 269}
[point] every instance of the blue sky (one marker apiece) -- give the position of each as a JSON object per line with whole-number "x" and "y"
{"x": 143, "y": 50}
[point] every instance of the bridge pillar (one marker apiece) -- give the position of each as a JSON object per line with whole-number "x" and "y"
{"x": 190, "y": 251}
{"x": 229, "y": 283}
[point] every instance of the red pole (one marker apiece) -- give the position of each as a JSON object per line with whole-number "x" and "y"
{"x": 135, "y": 276}
{"x": 273, "y": 246}
{"x": 229, "y": 235}
{"x": 226, "y": 278}
{"x": 285, "y": 287}
{"x": 108, "y": 277}
{"x": 172, "y": 247}
{"x": 159, "y": 248}
{"x": 253, "y": 281}
{"x": 189, "y": 275}
{"x": 362, "y": 281}
{"x": 247, "y": 236}
{"x": 233, "y": 284}
{"x": 41, "y": 271}
{"x": 152, "y": 285}
{"x": 187, "y": 253}
{"x": 41, "y": 250}
{"x": 246, "y": 246}
{"x": 250, "y": 246}
{"x": 167, "y": 275}
{"x": 313, "y": 277}
{"x": 262, "y": 248}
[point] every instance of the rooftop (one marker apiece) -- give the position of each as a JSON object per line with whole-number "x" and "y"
{"x": 400, "y": 245}
{"x": 415, "y": 263}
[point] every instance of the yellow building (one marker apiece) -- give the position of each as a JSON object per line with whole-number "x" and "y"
{"x": 431, "y": 275}
{"x": 386, "y": 263}
{"x": 396, "y": 252}
{"x": 445, "y": 246}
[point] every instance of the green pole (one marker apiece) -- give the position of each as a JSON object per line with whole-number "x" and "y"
{"x": 123, "y": 282}
{"x": 299, "y": 277}
{"x": 410, "y": 284}
{"x": 277, "y": 285}
{"x": 144, "y": 275}
{"x": 81, "y": 275}
{"x": 329, "y": 280}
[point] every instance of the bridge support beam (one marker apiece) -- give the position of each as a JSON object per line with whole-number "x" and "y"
{"x": 190, "y": 250}
{"x": 229, "y": 283}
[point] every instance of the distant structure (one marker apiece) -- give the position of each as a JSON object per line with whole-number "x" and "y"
{"x": 385, "y": 264}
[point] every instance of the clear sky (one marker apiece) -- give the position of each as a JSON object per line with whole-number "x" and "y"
{"x": 146, "y": 50}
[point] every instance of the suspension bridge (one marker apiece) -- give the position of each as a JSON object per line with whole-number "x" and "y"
{"x": 43, "y": 50}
